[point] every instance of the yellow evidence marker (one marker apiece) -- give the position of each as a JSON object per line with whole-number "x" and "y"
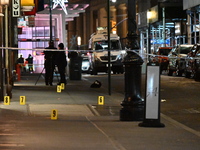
{"x": 100, "y": 100}
{"x": 58, "y": 89}
{"x": 22, "y": 100}
{"x": 6, "y": 100}
{"x": 62, "y": 86}
{"x": 54, "y": 114}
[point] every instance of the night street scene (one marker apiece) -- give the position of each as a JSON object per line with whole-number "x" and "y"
{"x": 99, "y": 75}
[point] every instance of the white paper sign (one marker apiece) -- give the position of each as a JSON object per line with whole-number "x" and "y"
{"x": 152, "y": 92}
{"x": 16, "y": 8}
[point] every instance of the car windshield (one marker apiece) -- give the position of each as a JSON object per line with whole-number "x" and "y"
{"x": 164, "y": 52}
{"x": 198, "y": 53}
{"x": 85, "y": 60}
{"x": 103, "y": 45}
{"x": 185, "y": 50}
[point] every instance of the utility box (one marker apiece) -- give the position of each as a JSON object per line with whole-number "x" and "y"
{"x": 75, "y": 70}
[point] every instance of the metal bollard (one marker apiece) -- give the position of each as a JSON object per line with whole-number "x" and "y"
{"x": 132, "y": 105}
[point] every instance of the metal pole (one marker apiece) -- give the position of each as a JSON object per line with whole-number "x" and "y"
{"x": 6, "y": 44}
{"x": 50, "y": 18}
{"x": 1, "y": 63}
{"x": 149, "y": 41}
{"x": 108, "y": 30}
{"x": 164, "y": 34}
{"x": 133, "y": 105}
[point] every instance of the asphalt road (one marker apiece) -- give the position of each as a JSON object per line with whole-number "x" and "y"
{"x": 31, "y": 127}
{"x": 179, "y": 96}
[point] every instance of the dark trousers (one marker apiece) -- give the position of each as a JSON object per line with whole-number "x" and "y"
{"x": 30, "y": 67}
{"x": 61, "y": 70}
{"x": 49, "y": 70}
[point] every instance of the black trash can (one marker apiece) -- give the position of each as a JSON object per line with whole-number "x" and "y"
{"x": 75, "y": 71}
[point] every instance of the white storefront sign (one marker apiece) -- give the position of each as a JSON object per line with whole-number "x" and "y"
{"x": 16, "y": 8}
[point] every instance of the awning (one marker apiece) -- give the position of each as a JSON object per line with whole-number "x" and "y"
{"x": 27, "y": 3}
{"x": 73, "y": 10}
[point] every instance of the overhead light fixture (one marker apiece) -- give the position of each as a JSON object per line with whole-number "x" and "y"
{"x": 79, "y": 40}
{"x": 27, "y": 8}
{"x": 4, "y": 2}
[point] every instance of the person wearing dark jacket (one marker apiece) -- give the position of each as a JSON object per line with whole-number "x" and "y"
{"x": 30, "y": 63}
{"x": 49, "y": 64}
{"x": 61, "y": 62}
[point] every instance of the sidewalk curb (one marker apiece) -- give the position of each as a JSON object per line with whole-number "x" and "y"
{"x": 176, "y": 123}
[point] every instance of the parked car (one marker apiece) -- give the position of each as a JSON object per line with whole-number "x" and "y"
{"x": 86, "y": 64}
{"x": 197, "y": 64}
{"x": 177, "y": 59}
{"x": 162, "y": 57}
{"x": 190, "y": 61}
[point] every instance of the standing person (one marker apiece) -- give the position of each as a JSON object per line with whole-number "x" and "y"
{"x": 61, "y": 63}
{"x": 49, "y": 63}
{"x": 20, "y": 61}
{"x": 30, "y": 63}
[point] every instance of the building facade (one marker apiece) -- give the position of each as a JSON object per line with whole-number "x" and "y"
{"x": 193, "y": 25}
{"x": 172, "y": 22}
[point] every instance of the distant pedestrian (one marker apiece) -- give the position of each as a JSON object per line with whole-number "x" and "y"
{"x": 61, "y": 63}
{"x": 30, "y": 63}
{"x": 49, "y": 63}
{"x": 20, "y": 62}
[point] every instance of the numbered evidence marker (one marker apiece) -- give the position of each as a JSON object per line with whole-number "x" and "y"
{"x": 54, "y": 114}
{"x": 6, "y": 100}
{"x": 58, "y": 89}
{"x": 62, "y": 86}
{"x": 100, "y": 100}
{"x": 22, "y": 100}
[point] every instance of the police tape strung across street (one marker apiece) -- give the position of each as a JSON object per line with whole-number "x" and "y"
{"x": 143, "y": 55}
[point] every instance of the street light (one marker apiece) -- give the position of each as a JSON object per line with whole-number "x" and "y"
{"x": 149, "y": 20}
{"x": 152, "y": 16}
{"x": 50, "y": 18}
{"x": 108, "y": 31}
{"x": 6, "y": 3}
{"x": 79, "y": 42}
{"x": 114, "y": 1}
{"x": 132, "y": 105}
{"x": 1, "y": 63}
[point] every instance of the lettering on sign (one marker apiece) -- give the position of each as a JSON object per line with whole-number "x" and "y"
{"x": 100, "y": 100}
{"x": 22, "y": 100}
{"x": 6, "y": 100}
{"x": 62, "y": 86}
{"x": 16, "y": 8}
{"x": 54, "y": 114}
{"x": 58, "y": 88}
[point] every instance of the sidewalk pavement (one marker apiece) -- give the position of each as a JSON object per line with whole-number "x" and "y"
{"x": 81, "y": 123}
